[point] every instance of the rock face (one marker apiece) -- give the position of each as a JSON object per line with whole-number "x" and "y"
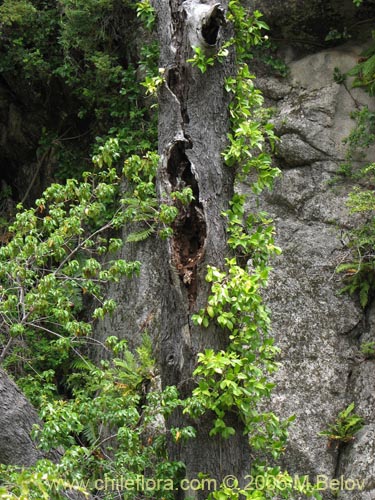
{"x": 318, "y": 330}
{"x": 17, "y": 418}
{"x": 310, "y": 21}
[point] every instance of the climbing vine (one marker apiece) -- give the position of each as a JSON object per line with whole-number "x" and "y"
{"x": 237, "y": 379}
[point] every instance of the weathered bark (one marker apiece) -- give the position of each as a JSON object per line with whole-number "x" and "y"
{"x": 193, "y": 125}
{"x": 318, "y": 331}
{"x": 17, "y": 417}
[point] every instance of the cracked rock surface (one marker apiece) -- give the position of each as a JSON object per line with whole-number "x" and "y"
{"x": 318, "y": 330}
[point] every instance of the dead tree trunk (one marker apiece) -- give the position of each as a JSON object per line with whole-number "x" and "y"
{"x": 193, "y": 127}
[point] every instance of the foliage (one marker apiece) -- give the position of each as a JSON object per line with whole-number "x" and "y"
{"x": 57, "y": 258}
{"x": 267, "y": 52}
{"x": 359, "y": 267}
{"x": 248, "y": 29}
{"x": 33, "y": 483}
{"x": 359, "y": 270}
{"x": 153, "y": 83}
{"x": 335, "y": 34}
{"x": 345, "y": 427}
{"x": 251, "y": 236}
{"x": 57, "y": 264}
{"x": 364, "y": 71}
{"x": 250, "y": 132}
{"x": 338, "y": 76}
{"x": 236, "y": 380}
{"x": 111, "y": 428}
{"x": 248, "y": 34}
{"x": 60, "y": 254}
{"x": 368, "y": 350}
{"x": 81, "y": 62}
{"x": 251, "y": 129}
{"x": 362, "y": 136}
{"x": 140, "y": 201}
{"x": 253, "y": 43}
{"x": 146, "y": 12}
{"x": 201, "y": 60}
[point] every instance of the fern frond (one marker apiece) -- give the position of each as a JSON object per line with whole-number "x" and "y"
{"x": 82, "y": 364}
{"x": 368, "y": 69}
{"x": 140, "y": 235}
{"x": 90, "y": 433}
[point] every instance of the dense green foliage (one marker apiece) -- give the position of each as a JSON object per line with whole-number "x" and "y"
{"x": 60, "y": 256}
{"x": 111, "y": 429}
{"x": 61, "y": 253}
{"x": 81, "y": 63}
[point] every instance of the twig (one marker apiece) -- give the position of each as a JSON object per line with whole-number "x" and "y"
{"x": 5, "y": 349}
{"x": 39, "y": 165}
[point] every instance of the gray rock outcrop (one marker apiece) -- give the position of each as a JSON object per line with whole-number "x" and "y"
{"x": 318, "y": 329}
{"x": 17, "y": 418}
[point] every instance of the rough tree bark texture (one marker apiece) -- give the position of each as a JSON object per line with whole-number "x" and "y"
{"x": 17, "y": 418}
{"x": 193, "y": 125}
{"x": 319, "y": 332}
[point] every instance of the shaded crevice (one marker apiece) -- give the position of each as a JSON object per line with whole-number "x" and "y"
{"x": 189, "y": 228}
{"x": 210, "y": 28}
{"x": 176, "y": 80}
{"x": 339, "y": 449}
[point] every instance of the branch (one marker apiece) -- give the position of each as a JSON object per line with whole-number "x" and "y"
{"x": 81, "y": 245}
{"x": 5, "y": 349}
{"x": 38, "y": 167}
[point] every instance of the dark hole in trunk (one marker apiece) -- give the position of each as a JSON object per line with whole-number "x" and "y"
{"x": 190, "y": 226}
{"x": 210, "y": 29}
